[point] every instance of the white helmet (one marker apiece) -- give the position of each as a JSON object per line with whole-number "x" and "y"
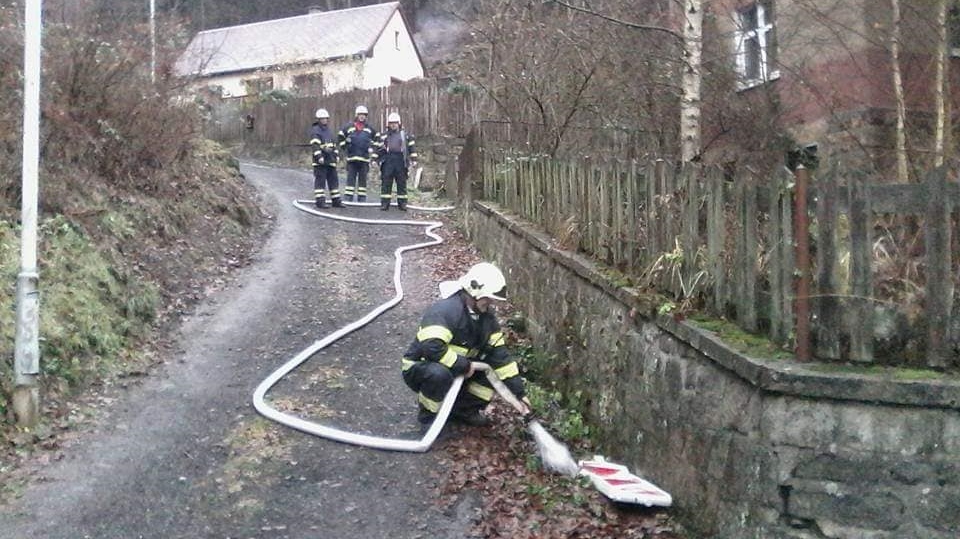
{"x": 393, "y": 117}
{"x": 484, "y": 280}
{"x": 322, "y": 113}
{"x": 361, "y": 110}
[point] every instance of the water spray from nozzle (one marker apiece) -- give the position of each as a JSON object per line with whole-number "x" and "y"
{"x": 555, "y": 455}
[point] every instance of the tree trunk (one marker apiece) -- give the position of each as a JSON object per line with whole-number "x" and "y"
{"x": 940, "y": 133}
{"x": 690, "y": 100}
{"x": 903, "y": 174}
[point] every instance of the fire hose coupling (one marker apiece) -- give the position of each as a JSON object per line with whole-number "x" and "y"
{"x": 521, "y": 406}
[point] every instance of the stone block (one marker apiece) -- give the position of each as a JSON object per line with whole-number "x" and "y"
{"x": 781, "y": 533}
{"x": 799, "y": 422}
{"x": 910, "y": 529}
{"x": 849, "y": 470}
{"x": 939, "y": 509}
{"x": 950, "y": 440}
{"x": 782, "y": 461}
{"x": 739, "y": 408}
{"x": 855, "y": 428}
{"x": 914, "y": 473}
{"x": 832, "y": 530}
{"x": 880, "y": 429}
{"x": 668, "y": 345}
{"x": 908, "y": 432}
{"x": 947, "y": 472}
{"x": 843, "y": 505}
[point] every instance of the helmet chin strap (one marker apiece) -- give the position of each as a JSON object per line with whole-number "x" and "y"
{"x": 471, "y": 303}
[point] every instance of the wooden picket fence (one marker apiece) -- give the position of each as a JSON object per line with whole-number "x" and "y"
{"x": 733, "y": 245}
{"x": 426, "y": 107}
{"x": 730, "y": 245}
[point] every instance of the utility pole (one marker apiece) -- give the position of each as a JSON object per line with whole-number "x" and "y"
{"x": 153, "y": 41}
{"x": 26, "y": 360}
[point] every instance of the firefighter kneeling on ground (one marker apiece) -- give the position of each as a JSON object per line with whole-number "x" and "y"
{"x": 455, "y": 332}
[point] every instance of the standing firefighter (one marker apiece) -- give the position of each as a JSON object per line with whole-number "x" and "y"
{"x": 325, "y": 156}
{"x": 396, "y": 152}
{"x": 455, "y": 332}
{"x": 356, "y": 141}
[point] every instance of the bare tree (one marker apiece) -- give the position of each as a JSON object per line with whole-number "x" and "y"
{"x": 691, "y": 38}
{"x": 577, "y": 80}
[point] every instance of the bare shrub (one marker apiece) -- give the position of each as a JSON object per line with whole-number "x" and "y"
{"x": 105, "y": 114}
{"x": 102, "y": 114}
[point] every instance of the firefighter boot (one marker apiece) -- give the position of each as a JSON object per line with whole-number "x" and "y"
{"x": 472, "y": 417}
{"x": 385, "y": 204}
{"x": 336, "y": 203}
{"x": 402, "y": 205}
{"x": 425, "y": 419}
{"x": 321, "y": 203}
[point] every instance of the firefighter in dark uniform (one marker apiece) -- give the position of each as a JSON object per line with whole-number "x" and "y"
{"x": 396, "y": 151}
{"x": 356, "y": 142}
{"x": 456, "y": 331}
{"x": 325, "y": 155}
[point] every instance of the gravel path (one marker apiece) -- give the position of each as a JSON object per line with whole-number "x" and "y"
{"x": 184, "y": 454}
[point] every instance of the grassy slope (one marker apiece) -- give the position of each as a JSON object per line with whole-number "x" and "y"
{"x": 116, "y": 267}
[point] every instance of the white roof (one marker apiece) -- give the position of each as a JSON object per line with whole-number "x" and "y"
{"x": 306, "y": 38}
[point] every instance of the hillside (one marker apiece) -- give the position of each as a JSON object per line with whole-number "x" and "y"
{"x": 138, "y": 215}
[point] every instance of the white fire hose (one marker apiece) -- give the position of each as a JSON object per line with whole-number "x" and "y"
{"x": 340, "y": 435}
{"x": 555, "y": 455}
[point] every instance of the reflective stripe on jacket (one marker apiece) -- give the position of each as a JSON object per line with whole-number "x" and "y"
{"x": 357, "y": 144}
{"x": 323, "y": 143}
{"x": 394, "y": 142}
{"x": 453, "y": 336}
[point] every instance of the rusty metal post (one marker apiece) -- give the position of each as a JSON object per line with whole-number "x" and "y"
{"x": 801, "y": 233}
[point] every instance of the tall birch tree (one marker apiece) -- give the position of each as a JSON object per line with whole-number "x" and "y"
{"x": 900, "y": 149}
{"x": 940, "y": 86}
{"x": 690, "y": 129}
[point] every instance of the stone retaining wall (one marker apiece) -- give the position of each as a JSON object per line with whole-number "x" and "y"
{"x": 748, "y": 448}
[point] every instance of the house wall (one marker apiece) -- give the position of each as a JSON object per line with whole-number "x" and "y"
{"x": 230, "y": 85}
{"x": 388, "y": 60}
{"x": 748, "y": 448}
{"x": 343, "y": 75}
{"x": 821, "y": 51}
{"x": 836, "y": 83}
{"x": 386, "y": 63}
{"x": 338, "y": 76}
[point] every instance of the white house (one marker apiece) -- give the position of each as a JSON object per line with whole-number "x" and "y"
{"x": 319, "y": 53}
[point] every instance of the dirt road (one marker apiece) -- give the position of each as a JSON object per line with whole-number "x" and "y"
{"x": 185, "y": 455}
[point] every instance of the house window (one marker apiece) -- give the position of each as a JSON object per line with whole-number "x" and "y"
{"x": 756, "y": 44}
{"x": 396, "y": 40}
{"x": 308, "y": 84}
{"x": 258, "y": 86}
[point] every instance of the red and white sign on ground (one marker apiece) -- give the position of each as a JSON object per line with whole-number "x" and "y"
{"x": 617, "y": 483}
